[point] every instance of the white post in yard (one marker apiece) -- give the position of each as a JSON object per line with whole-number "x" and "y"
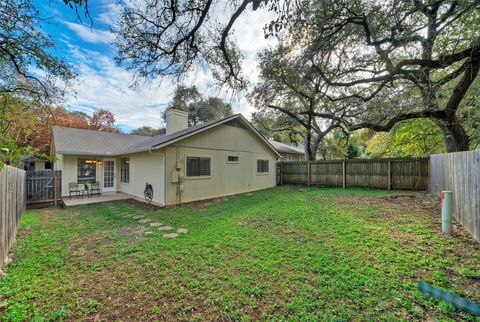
{"x": 447, "y": 201}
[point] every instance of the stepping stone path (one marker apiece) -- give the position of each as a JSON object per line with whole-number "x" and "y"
{"x": 138, "y": 217}
{"x": 165, "y": 228}
{"x": 144, "y": 220}
{"x": 155, "y": 224}
{"x": 182, "y": 230}
{"x": 171, "y": 235}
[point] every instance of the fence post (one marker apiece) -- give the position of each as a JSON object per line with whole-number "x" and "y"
{"x": 344, "y": 166}
{"x": 389, "y": 174}
{"x": 308, "y": 173}
{"x": 281, "y": 173}
{"x": 55, "y": 189}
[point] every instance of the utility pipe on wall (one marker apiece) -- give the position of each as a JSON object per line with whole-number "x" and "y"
{"x": 447, "y": 202}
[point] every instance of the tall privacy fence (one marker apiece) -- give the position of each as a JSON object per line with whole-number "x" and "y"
{"x": 405, "y": 174}
{"x": 12, "y": 205}
{"x": 460, "y": 173}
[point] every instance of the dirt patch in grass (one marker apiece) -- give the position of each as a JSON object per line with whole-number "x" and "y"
{"x": 416, "y": 210}
{"x": 205, "y": 203}
{"x": 143, "y": 205}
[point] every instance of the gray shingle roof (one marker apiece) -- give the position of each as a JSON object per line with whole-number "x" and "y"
{"x": 283, "y": 148}
{"x": 88, "y": 142}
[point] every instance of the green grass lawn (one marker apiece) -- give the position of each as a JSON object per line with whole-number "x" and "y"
{"x": 282, "y": 253}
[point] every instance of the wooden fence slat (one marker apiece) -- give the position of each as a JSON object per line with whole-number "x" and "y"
{"x": 13, "y": 204}
{"x": 41, "y": 186}
{"x": 405, "y": 173}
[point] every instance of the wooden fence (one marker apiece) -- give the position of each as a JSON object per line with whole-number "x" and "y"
{"x": 44, "y": 186}
{"x": 460, "y": 173}
{"x": 12, "y": 206}
{"x": 405, "y": 174}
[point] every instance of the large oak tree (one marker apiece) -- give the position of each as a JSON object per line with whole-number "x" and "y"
{"x": 394, "y": 60}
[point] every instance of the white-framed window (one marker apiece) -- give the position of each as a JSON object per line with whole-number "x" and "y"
{"x": 233, "y": 159}
{"x": 198, "y": 167}
{"x": 125, "y": 170}
{"x": 262, "y": 166}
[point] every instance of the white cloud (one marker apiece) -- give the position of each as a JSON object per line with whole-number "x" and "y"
{"x": 91, "y": 35}
{"x": 102, "y": 84}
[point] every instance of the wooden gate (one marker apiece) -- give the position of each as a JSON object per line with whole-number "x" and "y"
{"x": 44, "y": 186}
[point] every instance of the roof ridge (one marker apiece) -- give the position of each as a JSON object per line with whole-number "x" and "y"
{"x": 99, "y": 131}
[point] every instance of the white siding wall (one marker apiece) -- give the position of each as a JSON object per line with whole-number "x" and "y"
{"x": 226, "y": 178}
{"x": 144, "y": 167}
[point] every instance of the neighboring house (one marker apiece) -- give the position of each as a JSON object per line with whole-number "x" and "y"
{"x": 288, "y": 153}
{"x": 214, "y": 159}
{"x": 35, "y": 164}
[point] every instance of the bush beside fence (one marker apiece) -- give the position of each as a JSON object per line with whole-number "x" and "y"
{"x": 12, "y": 206}
{"x": 405, "y": 174}
{"x": 460, "y": 173}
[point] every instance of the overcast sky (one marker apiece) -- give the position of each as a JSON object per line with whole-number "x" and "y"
{"x": 102, "y": 84}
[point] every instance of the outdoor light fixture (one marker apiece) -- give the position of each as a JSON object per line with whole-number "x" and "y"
{"x": 99, "y": 162}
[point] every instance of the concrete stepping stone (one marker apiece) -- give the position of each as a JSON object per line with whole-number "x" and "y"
{"x": 144, "y": 220}
{"x": 182, "y": 230}
{"x": 165, "y": 228}
{"x": 155, "y": 224}
{"x": 171, "y": 235}
{"x": 148, "y": 232}
{"x": 138, "y": 217}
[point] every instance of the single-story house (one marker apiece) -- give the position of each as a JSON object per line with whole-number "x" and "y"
{"x": 214, "y": 159}
{"x": 288, "y": 152}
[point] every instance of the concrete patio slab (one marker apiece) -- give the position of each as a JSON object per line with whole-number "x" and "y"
{"x": 106, "y": 197}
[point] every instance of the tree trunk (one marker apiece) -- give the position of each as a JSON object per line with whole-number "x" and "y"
{"x": 456, "y": 139}
{"x": 308, "y": 145}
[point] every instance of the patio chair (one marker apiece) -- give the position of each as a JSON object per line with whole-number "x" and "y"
{"x": 82, "y": 189}
{"x": 73, "y": 189}
{"x": 93, "y": 188}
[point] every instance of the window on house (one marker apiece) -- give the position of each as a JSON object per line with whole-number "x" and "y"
{"x": 232, "y": 158}
{"x": 125, "y": 170}
{"x": 86, "y": 171}
{"x": 197, "y": 167}
{"x": 262, "y": 166}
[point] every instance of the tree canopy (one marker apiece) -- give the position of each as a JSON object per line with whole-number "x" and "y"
{"x": 395, "y": 61}
{"x": 148, "y": 131}
{"x": 199, "y": 108}
{"x": 383, "y": 62}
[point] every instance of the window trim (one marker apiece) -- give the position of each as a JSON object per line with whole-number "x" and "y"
{"x": 198, "y": 176}
{"x": 125, "y": 172}
{"x": 233, "y": 162}
{"x": 263, "y": 172}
